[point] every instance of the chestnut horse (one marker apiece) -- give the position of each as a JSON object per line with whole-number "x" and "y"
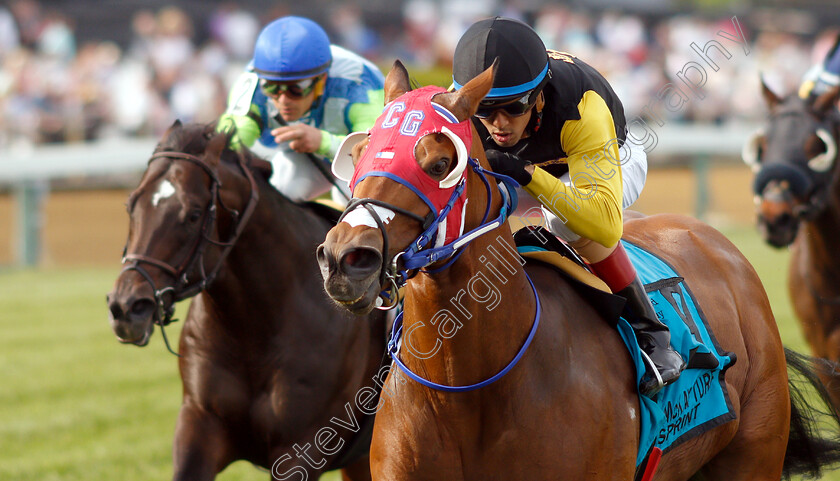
{"x": 569, "y": 408}
{"x": 269, "y": 366}
{"x": 797, "y": 189}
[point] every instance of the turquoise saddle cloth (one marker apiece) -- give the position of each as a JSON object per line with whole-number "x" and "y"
{"x": 698, "y": 401}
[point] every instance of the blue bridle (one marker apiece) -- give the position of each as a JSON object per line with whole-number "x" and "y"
{"x": 417, "y": 256}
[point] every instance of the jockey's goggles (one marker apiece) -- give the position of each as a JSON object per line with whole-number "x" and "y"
{"x": 513, "y": 108}
{"x": 295, "y": 90}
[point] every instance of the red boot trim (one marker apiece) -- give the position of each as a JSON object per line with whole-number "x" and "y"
{"x": 616, "y": 269}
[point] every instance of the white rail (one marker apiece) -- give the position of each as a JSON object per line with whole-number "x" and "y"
{"x": 28, "y": 172}
{"x": 51, "y": 162}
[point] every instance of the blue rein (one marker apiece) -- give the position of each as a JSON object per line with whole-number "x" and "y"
{"x": 394, "y": 348}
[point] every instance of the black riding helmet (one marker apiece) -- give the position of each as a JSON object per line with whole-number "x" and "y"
{"x": 523, "y": 66}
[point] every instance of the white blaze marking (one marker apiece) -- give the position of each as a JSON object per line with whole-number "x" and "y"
{"x": 360, "y": 216}
{"x": 165, "y": 190}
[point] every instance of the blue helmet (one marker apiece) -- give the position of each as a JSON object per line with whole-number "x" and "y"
{"x": 291, "y": 48}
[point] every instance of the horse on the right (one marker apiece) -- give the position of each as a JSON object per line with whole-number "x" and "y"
{"x": 797, "y": 188}
{"x": 504, "y": 369}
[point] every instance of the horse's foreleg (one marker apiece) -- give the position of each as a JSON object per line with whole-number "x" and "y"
{"x": 201, "y": 448}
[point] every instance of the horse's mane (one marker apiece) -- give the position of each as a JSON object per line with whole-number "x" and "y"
{"x": 193, "y": 138}
{"x": 255, "y": 163}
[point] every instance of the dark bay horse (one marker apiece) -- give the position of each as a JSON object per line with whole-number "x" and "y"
{"x": 270, "y": 368}
{"x": 797, "y": 189}
{"x": 569, "y": 408}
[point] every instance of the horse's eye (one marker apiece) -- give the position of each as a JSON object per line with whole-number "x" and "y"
{"x": 359, "y": 155}
{"x": 358, "y": 150}
{"x": 439, "y": 167}
{"x": 195, "y": 216}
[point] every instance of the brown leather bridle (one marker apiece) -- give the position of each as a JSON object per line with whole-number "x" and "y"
{"x": 183, "y": 288}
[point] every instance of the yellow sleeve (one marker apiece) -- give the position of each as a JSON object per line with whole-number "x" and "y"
{"x": 591, "y": 206}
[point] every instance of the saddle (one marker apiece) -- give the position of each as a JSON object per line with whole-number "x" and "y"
{"x": 537, "y": 243}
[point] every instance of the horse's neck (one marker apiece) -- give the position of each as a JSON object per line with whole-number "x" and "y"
{"x": 816, "y": 252}
{"x": 819, "y": 236}
{"x": 282, "y": 223}
{"x": 466, "y": 323}
{"x": 276, "y": 248}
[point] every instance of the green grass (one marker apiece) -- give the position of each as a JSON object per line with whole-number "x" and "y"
{"x": 77, "y": 405}
{"x": 74, "y": 403}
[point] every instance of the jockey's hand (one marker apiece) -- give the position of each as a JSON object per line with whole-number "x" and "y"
{"x": 301, "y": 137}
{"x": 510, "y": 165}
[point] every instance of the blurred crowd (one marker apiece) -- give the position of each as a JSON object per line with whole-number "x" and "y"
{"x": 55, "y": 90}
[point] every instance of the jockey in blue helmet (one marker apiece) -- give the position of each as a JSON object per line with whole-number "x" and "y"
{"x": 301, "y": 96}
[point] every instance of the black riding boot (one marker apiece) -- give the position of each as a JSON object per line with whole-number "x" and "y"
{"x": 654, "y": 339}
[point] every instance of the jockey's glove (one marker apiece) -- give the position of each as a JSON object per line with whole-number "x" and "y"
{"x": 510, "y": 165}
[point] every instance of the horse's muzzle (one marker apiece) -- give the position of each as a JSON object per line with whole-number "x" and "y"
{"x": 780, "y": 232}
{"x": 778, "y": 222}
{"x": 351, "y": 273}
{"x": 131, "y": 317}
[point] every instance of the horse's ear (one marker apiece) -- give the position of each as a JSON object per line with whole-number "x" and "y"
{"x": 167, "y": 138}
{"x": 213, "y": 152}
{"x": 397, "y": 82}
{"x": 464, "y": 102}
{"x": 172, "y": 128}
{"x": 213, "y": 129}
{"x": 827, "y": 101}
{"x": 210, "y": 129}
{"x": 769, "y": 96}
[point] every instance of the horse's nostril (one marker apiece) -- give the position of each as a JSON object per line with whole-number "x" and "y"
{"x": 321, "y": 255}
{"x": 360, "y": 262}
{"x": 116, "y": 311}
{"x": 778, "y": 230}
{"x": 141, "y": 309}
{"x": 352, "y": 258}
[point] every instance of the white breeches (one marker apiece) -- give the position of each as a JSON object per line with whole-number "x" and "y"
{"x": 296, "y": 176}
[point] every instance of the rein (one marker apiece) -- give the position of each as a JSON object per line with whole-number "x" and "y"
{"x": 183, "y": 288}
{"x": 395, "y": 342}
